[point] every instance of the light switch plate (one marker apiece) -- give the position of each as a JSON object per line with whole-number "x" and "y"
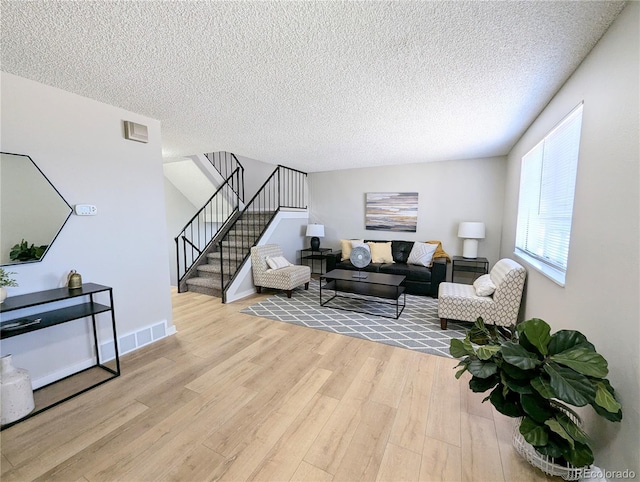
{"x": 85, "y": 210}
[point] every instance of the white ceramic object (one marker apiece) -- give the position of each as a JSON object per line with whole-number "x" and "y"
{"x": 16, "y": 397}
{"x": 3, "y": 294}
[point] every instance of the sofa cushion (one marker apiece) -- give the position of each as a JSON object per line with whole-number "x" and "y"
{"x": 380, "y": 252}
{"x": 371, "y": 267}
{"x": 346, "y": 245}
{"x": 411, "y": 271}
{"x": 401, "y": 250}
{"x": 422, "y": 254}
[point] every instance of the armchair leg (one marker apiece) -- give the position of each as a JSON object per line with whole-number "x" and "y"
{"x": 443, "y": 323}
{"x": 288, "y": 293}
{"x": 259, "y": 288}
{"x": 306, "y": 285}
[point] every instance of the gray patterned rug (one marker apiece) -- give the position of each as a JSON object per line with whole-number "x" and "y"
{"x": 418, "y": 327}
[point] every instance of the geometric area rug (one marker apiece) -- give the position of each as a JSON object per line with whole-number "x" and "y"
{"x": 418, "y": 327}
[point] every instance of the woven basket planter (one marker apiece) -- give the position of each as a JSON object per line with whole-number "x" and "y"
{"x": 545, "y": 463}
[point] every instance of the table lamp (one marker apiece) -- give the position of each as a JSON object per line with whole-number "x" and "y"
{"x": 471, "y": 232}
{"x": 315, "y": 231}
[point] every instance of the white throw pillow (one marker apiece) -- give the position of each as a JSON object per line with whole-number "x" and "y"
{"x": 355, "y": 244}
{"x": 422, "y": 254}
{"x": 277, "y": 262}
{"x": 484, "y": 286}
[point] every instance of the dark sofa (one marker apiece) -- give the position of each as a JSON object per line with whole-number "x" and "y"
{"x": 420, "y": 280}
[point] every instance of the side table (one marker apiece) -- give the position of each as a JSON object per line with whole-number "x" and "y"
{"x": 460, "y": 264}
{"x": 319, "y": 254}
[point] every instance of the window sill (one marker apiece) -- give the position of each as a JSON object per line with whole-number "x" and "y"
{"x": 553, "y": 274}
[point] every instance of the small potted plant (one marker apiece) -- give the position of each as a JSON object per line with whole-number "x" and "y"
{"x": 5, "y": 280}
{"x": 530, "y": 373}
{"x": 23, "y": 252}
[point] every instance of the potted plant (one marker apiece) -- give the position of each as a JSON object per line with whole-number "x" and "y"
{"x": 23, "y": 252}
{"x": 5, "y": 280}
{"x": 530, "y": 373}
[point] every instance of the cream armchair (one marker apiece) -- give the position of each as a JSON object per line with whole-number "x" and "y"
{"x": 460, "y": 302}
{"x": 286, "y": 278}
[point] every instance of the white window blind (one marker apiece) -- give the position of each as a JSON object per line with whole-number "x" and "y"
{"x": 547, "y": 187}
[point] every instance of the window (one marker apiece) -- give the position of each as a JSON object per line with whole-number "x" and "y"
{"x": 545, "y": 208}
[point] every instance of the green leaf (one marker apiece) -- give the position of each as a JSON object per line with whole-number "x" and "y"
{"x": 543, "y": 387}
{"x": 533, "y": 433}
{"x": 516, "y": 373}
{"x": 570, "y": 386}
{"x": 508, "y": 405}
{"x": 580, "y": 455}
{"x": 538, "y": 334}
{"x": 536, "y": 407}
{"x": 572, "y": 428}
{"x": 457, "y": 348}
{"x": 479, "y": 385}
{"x": 552, "y": 449}
{"x": 478, "y": 333}
{"x": 566, "y": 339}
{"x": 517, "y": 356}
{"x": 487, "y": 351}
{"x": 583, "y": 361}
{"x": 606, "y": 399}
{"x": 555, "y": 426}
{"x": 482, "y": 369}
{"x": 462, "y": 370}
{"x": 518, "y": 386}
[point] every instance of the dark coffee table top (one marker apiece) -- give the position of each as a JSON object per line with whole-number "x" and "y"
{"x": 372, "y": 278}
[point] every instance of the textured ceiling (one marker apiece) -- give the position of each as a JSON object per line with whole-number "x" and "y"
{"x": 313, "y": 85}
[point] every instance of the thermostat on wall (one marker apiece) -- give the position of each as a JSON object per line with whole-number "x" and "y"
{"x": 85, "y": 210}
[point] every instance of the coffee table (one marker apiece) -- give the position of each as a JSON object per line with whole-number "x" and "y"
{"x": 376, "y": 285}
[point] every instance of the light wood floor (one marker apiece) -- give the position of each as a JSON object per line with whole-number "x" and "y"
{"x": 236, "y": 397}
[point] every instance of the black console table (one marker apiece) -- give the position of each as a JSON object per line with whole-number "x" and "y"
{"x": 319, "y": 254}
{"x": 73, "y": 385}
{"x": 469, "y": 265}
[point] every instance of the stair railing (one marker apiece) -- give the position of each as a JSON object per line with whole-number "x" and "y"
{"x": 226, "y": 163}
{"x": 285, "y": 188}
{"x": 201, "y": 230}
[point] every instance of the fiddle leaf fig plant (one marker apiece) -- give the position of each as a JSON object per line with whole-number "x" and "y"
{"x": 530, "y": 373}
{"x": 23, "y": 252}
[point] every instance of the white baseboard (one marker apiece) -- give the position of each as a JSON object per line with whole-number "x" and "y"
{"x": 126, "y": 344}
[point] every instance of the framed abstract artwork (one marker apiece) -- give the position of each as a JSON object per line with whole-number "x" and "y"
{"x": 391, "y": 211}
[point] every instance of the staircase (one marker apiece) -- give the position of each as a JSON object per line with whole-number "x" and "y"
{"x": 216, "y": 243}
{"x": 208, "y": 280}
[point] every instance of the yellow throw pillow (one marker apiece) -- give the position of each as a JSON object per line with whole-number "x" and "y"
{"x": 346, "y": 247}
{"x": 381, "y": 252}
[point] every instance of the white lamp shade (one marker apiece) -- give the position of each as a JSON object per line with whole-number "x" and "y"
{"x": 471, "y": 230}
{"x": 316, "y": 230}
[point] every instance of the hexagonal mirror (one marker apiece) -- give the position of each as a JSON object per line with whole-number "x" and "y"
{"x": 32, "y": 211}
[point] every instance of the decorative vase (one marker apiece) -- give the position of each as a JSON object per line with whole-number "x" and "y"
{"x": 3, "y": 294}
{"x": 16, "y": 395}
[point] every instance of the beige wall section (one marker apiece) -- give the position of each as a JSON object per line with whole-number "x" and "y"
{"x": 79, "y": 144}
{"x": 602, "y": 286}
{"x": 448, "y": 192}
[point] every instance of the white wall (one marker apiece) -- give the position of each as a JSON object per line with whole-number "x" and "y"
{"x": 79, "y": 144}
{"x": 255, "y": 174}
{"x": 602, "y": 288}
{"x": 448, "y": 192}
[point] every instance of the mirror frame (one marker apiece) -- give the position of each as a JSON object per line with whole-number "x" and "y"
{"x": 13, "y": 263}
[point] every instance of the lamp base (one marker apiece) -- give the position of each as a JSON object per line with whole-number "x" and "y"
{"x": 315, "y": 243}
{"x": 470, "y": 248}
